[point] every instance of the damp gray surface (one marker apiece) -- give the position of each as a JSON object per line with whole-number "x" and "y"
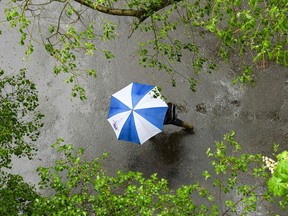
{"x": 258, "y": 115}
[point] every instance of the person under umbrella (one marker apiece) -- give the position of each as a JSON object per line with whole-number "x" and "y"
{"x": 171, "y": 118}
{"x": 137, "y": 113}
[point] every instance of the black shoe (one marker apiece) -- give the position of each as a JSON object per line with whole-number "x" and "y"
{"x": 189, "y": 130}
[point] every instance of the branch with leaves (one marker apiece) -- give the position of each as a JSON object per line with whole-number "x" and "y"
{"x": 83, "y": 187}
{"x": 254, "y": 31}
{"x": 144, "y": 9}
{"x": 20, "y": 122}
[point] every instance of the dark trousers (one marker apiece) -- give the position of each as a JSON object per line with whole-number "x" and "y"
{"x": 176, "y": 122}
{"x": 171, "y": 118}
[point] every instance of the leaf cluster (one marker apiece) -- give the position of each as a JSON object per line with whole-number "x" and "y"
{"x": 255, "y": 31}
{"x": 230, "y": 168}
{"x": 17, "y": 196}
{"x": 20, "y": 122}
{"x": 20, "y": 125}
{"x": 83, "y": 188}
{"x": 278, "y": 183}
{"x": 80, "y": 187}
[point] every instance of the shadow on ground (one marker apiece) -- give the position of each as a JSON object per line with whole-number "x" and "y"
{"x": 164, "y": 157}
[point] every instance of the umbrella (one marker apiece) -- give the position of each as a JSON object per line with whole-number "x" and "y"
{"x": 137, "y": 112}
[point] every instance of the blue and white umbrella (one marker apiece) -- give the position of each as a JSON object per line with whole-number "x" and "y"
{"x": 137, "y": 112}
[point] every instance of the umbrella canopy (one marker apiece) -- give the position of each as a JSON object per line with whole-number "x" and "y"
{"x": 137, "y": 112}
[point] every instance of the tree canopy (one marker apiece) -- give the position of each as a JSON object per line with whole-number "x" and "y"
{"x": 81, "y": 187}
{"x": 254, "y": 30}
{"x": 20, "y": 122}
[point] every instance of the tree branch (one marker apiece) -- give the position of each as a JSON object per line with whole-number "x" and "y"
{"x": 140, "y": 14}
{"x": 107, "y": 10}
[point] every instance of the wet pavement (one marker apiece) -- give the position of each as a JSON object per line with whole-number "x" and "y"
{"x": 258, "y": 115}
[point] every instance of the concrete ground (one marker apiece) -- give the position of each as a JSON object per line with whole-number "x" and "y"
{"x": 258, "y": 115}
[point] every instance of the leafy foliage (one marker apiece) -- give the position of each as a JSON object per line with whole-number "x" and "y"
{"x": 278, "y": 183}
{"x": 230, "y": 167}
{"x": 255, "y": 30}
{"x": 17, "y": 196}
{"x": 20, "y": 123}
{"x": 82, "y": 187}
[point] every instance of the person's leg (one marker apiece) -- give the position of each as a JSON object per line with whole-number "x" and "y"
{"x": 187, "y": 127}
{"x": 183, "y": 124}
{"x": 177, "y": 122}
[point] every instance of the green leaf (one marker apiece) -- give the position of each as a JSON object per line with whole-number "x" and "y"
{"x": 108, "y": 54}
{"x": 277, "y": 187}
{"x": 92, "y": 72}
{"x": 206, "y": 174}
